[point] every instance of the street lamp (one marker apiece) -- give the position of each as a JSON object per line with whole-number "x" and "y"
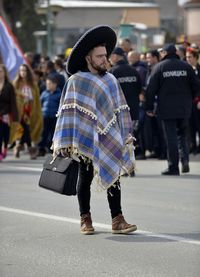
{"x": 45, "y": 7}
{"x": 39, "y": 40}
{"x": 48, "y": 14}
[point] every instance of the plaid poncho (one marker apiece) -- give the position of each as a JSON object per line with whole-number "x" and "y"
{"x": 94, "y": 122}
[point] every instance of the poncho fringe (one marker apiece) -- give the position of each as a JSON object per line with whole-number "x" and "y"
{"x": 93, "y": 116}
{"x": 76, "y": 154}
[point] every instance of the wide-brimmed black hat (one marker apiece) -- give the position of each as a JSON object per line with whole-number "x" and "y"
{"x": 92, "y": 38}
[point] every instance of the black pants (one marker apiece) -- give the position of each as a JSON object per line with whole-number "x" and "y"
{"x": 140, "y": 133}
{"x": 4, "y": 134}
{"x": 83, "y": 192}
{"x": 176, "y": 134}
{"x": 195, "y": 128}
{"x": 49, "y": 124}
{"x": 26, "y": 137}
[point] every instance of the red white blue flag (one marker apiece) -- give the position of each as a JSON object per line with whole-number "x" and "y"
{"x": 10, "y": 52}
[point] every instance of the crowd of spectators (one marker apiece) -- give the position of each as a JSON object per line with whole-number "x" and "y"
{"x": 28, "y": 106}
{"x": 151, "y": 142}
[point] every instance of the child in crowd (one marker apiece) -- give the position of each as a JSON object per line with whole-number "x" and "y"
{"x": 50, "y": 99}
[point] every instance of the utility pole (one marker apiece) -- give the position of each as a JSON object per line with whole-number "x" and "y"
{"x": 48, "y": 29}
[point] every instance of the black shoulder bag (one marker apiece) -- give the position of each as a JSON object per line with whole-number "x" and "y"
{"x": 60, "y": 175}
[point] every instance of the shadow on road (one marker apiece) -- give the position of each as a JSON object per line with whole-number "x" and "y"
{"x": 188, "y": 176}
{"x": 135, "y": 237}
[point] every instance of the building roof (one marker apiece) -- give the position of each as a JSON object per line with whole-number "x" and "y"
{"x": 95, "y": 4}
{"x": 192, "y": 4}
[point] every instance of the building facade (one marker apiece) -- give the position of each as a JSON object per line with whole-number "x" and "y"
{"x": 72, "y": 18}
{"x": 192, "y": 21}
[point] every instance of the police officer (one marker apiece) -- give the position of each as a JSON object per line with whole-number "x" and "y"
{"x": 153, "y": 131}
{"x": 130, "y": 82}
{"x": 174, "y": 83}
{"x": 133, "y": 58}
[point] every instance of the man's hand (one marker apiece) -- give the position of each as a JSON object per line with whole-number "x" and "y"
{"x": 129, "y": 139}
{"x": 150, "y": 113}
{"x": 64, "y": 152}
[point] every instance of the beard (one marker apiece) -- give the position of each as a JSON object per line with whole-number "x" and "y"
{"x": 101, "y": 69}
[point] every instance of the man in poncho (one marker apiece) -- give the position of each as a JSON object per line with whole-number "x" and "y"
{"x": 94, "y": 125}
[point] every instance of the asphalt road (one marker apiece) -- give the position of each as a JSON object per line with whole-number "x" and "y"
{"x": 40, "y": 229}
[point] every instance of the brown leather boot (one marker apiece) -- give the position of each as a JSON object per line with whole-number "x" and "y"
{"x": 17, "y": 149}
{"x": 86, "y": 224}
{"x": 120, "y": 226}
{"x": 33, "y": 152}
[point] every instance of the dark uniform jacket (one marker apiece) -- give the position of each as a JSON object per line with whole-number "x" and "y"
{"x": 130, "y": 82}
{"x": 174, "y": 83}
{"x": 141, "y": 68}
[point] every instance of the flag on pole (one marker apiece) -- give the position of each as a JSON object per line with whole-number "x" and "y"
{"x": 10, "y": 52}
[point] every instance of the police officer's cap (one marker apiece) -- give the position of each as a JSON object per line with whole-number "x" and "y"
{"x": 118, "y": 51}
{"x": 169, "y": 48}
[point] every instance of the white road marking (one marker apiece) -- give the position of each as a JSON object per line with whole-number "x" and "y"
{"x": 24, "y": 168}
{"x": 99, "y": 225}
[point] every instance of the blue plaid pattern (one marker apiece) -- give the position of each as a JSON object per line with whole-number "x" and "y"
{"x": 94, "y": 122}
